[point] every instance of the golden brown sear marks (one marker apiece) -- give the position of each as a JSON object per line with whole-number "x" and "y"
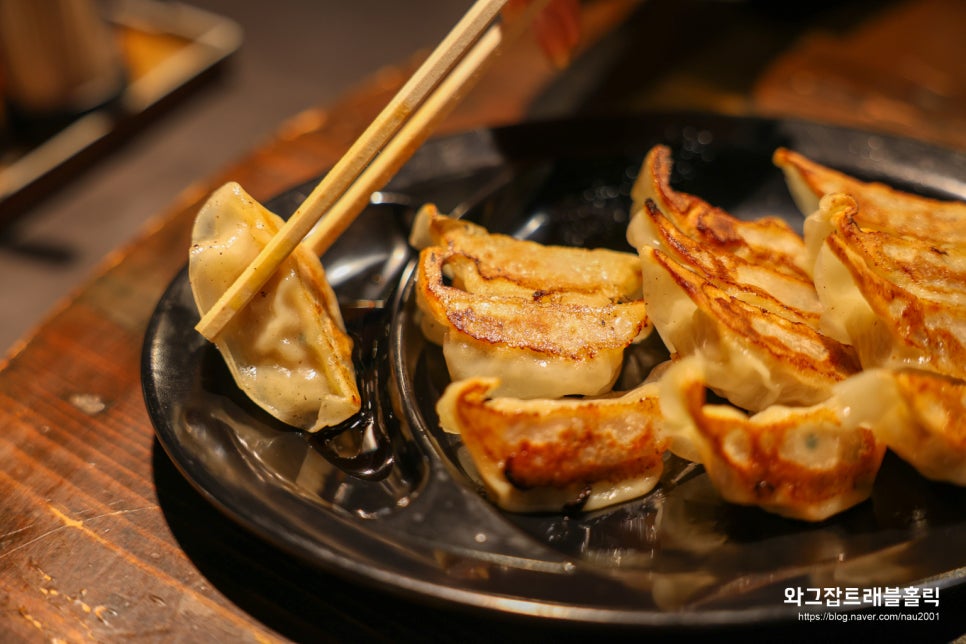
{"x": 559, "y": 328}
{"x": 890, "y": 270}
{"x": 935, "y": 440}
{"x": 533, "y": 316}
{"x": 880, "y": 207}
{"x": 759, "y": 282}
{"x": 757, "y": 357}
{"x": 767, "y": 240}
{"x": 500, "y": 264}
{"x": 549, "y": 454}
{"x": 918, "y": 414}
{"x": 799, "y": 462}
{"x": 780, "y": 326}
{"x": 736, "y": 293}
{"x": 900, "y": 300}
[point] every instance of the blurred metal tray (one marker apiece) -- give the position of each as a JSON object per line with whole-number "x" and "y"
{"x": 166, "y": 46}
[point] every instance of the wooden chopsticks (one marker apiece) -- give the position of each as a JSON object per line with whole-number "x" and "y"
{"x": 385, "y": 145}
{"x": 409, "y": 137}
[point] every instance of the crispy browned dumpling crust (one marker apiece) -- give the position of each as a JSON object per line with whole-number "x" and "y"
{"x": 767, "y": 240}
{"x": 573, "y": 331}
{"x": 935, "y": 441}
{"x": 738, "y": 299}
{"x": 759, "y": 282}
{"x": 880, "y": 207}
{"x": 548, "y": 321}
{"x": 914, "y": 292}
{"x": 799, "y": 462}
{"x": 758, "y": 357}
{"x": 501, "y": 264}
{"x": 890, "y": 269}
{"x": 547, "y": 454}
{"x": 735, "y": 292}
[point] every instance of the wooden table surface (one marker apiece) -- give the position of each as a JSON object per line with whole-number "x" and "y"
{"x": 102, "y": 539}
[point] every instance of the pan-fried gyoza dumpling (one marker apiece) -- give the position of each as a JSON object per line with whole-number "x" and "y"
{"x": 880, "y": 207}
{"x": 504, "y": 265}
{"x": 532, "y": 316}
{"x": 790, "y": 294}
{"x": 899, "y": 300}
{"x": 919, "y": 415}
{"x": 768, "y": 241}
{"x": 800, "y": 462}
{"x": 755, "y": 327}
{"x": 549, "y": 455}
{"x": 538, "y": 349}
{"x": 287, "y": 349}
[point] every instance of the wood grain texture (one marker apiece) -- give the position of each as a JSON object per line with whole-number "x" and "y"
{"x": 87, "y": 541}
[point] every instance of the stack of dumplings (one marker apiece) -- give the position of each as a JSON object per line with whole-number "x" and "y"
{"x": 548, "y": 321}
{"x": 826, "y": 349}
{"x": 524, "y": 328}
{"x": 823, "y": 350}
{"x": 890, "y": 269}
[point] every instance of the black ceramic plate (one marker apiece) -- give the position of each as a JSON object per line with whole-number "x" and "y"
{"x": 385, "y": 500}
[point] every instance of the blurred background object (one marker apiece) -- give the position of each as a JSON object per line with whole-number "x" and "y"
{"x": 903, "y": 71}
{"x": 82, "y": 76}
{"x": 207, "y": 81}
{"x": 59, "y": 59}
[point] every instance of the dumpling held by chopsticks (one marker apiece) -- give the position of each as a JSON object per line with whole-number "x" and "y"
{"x": 287, "y": 348}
